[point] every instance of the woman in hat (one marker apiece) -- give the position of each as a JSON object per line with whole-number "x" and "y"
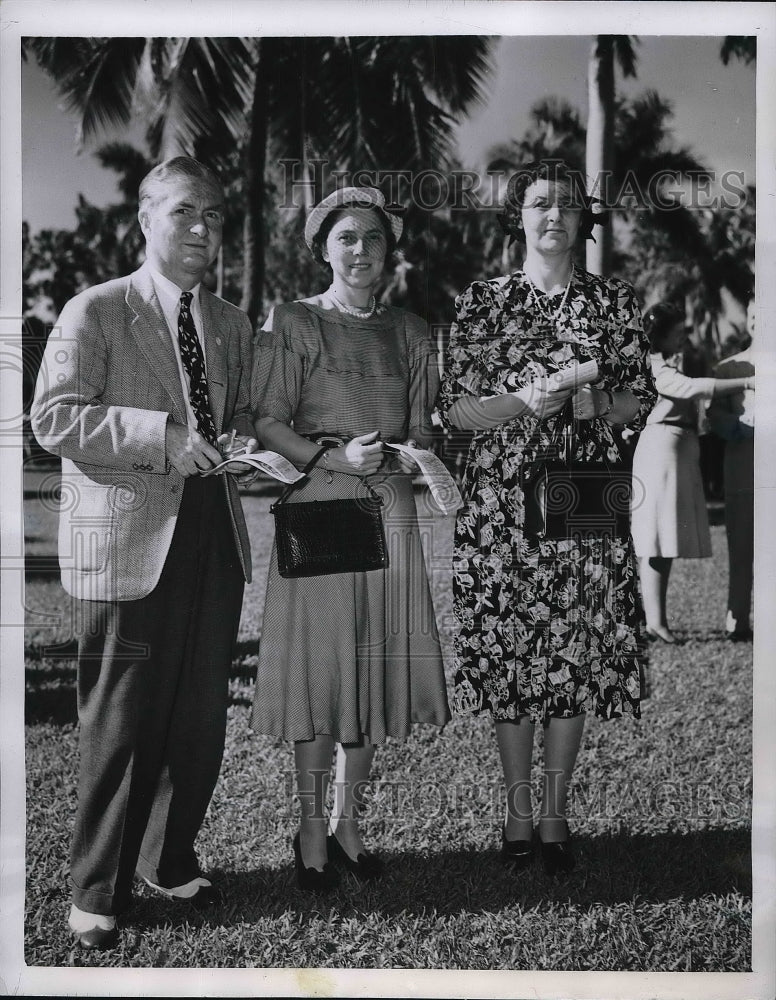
{"x": 349, "y": 659}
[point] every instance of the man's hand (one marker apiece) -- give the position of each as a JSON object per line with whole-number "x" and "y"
{"x": 188, "y": 452}
{"x": 236, "y": 444}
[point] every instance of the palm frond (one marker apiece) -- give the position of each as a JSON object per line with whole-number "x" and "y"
{"x": 200, "y": 87}
{"x": 625, "y": 53}
{"x": 126, "y": 161}
{"x": 743, "y": 47}
{"x": 95, "y": 76}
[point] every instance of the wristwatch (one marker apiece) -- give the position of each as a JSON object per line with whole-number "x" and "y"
{"x": 609, "y": 405}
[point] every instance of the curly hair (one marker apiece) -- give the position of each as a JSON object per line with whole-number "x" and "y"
{"x": 659, "y": 320}
{"x": 558, "y": 172}
{"x": 319, "y": 240}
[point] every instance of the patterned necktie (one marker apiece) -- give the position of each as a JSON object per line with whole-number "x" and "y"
{"x": 194, "y": 363}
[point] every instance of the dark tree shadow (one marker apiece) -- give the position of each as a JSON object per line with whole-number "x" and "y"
{"x": 50, "y": 682}
{"x": 610, "y": 870}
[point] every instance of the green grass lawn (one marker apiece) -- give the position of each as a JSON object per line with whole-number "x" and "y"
{"x": 660, "y": 813}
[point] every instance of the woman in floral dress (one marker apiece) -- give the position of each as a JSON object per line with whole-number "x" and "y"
{"x": 545, "y": 629}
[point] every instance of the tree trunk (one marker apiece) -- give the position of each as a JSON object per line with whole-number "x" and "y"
{"x": 599, "y": 146}
{"x": 255, "y": 155}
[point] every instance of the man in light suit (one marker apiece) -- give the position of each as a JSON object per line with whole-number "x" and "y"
{"x": 141, "y": 380}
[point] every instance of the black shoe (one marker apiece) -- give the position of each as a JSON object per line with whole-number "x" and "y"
{"x": 97, "y": 939}
{"x": 366, "y": 867}
{"x": 740, "y": 635}
{"x": 518, "y": 854}
{"x": 206, "y": 896}
{"x": 669, "y": 638}
{"x": 311, "y": 879}
{"x": 558, "y": 857}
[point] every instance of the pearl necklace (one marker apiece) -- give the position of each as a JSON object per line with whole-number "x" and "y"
{"x": 365, "y": 312}
{"x": 541, "y": 303}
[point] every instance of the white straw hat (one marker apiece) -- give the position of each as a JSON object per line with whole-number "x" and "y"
{"x": 352, "y": 197}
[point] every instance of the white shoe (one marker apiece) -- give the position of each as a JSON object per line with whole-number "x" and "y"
{"x": 199, "y": 891}
{"x": 81, "y": 921}
{"x": 93, "y": 931}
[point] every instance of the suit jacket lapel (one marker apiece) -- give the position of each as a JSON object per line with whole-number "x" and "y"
{"x": 215, "y": 353}
{"x": 149, "y": 327}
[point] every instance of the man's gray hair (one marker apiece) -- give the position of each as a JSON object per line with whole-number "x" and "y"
{"x": 177, "y": 166}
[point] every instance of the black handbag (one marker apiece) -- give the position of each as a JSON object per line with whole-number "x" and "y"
{"x": 565, "y": 498}
{"x": 319, "y": 537}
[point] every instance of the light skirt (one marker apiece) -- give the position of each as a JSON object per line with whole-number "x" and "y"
{"x": 352, "y": 654}
{"x": 668, "y": 516}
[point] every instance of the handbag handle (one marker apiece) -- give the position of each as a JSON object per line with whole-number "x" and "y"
{"x": 308, "y": 468}
{"x": 564, "y": 422}
{"x": 292, "y": 486}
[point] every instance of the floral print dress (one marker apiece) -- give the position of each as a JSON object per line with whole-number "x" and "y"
{"x": 543, "y": 628}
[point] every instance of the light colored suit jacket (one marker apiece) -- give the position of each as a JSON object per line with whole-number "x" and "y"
{"x": 107, "y": 386}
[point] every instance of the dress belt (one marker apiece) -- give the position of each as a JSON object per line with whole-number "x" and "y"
{"x": 337, "y": 440}
{"x": 322, "y": 437}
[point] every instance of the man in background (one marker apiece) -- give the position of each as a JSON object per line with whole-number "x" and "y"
{"x": 732, "y": 418}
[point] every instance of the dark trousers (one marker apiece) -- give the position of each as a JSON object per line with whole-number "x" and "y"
{"x": 152, "y": 697}
{"x": 739, "y": 527}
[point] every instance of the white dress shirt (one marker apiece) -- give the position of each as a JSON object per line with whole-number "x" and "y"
{"x": 169, "y": 296}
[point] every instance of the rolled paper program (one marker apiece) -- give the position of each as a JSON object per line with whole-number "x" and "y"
{"x": 446, "y": 494}
{"x": 572, "y": 376}
{"x": 268, "y": 462}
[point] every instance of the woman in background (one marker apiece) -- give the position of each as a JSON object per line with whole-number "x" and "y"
{"x": 669, "y": 518}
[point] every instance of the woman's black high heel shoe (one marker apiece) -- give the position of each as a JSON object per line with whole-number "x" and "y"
{"x": 518, "y": 854}
{"x": 310, "y": 879}
{"x": 366, "y": 867}
{"x": 558, "y": 856}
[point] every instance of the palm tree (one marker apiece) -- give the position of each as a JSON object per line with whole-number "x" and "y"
{"x": 642, "y": 150}
{"x": 666, "y": 249}
{"x": 555, "y": 131}
{"x": 381, "y": 104}
{"x": 743, "y": 47}
{"x": 105, "y": 242}
{"x": 599, "y": 160}
{"x": 715, "y": 256}
{"x": 384, "y": 103}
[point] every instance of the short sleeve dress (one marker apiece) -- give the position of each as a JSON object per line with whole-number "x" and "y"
{"x": 554, "y": 628}
{"x": 350, "y": 654}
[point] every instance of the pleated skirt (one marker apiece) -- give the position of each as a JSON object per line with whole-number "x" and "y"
{"x": 352, "y": 654}
{"x": 669, "y": 516}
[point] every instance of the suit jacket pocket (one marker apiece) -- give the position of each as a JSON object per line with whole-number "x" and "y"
{"x": 87, "y": 524}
